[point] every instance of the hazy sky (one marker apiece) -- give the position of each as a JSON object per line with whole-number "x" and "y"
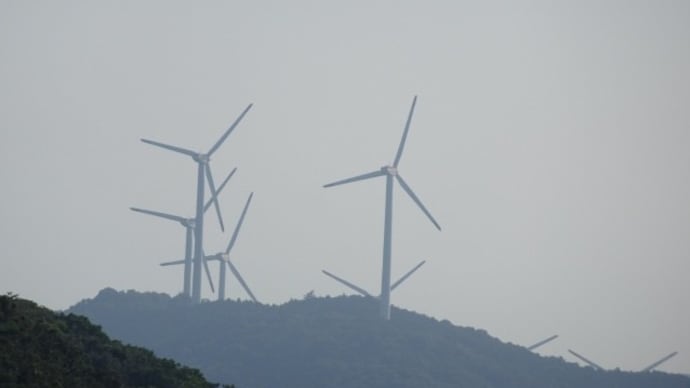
{"x": 550, "y": 141}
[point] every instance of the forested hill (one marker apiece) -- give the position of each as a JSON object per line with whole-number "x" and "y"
{"x": 336, "y": 342}
{"x": 40, "y": 348}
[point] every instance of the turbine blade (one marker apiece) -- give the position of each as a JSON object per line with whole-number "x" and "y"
{"x": 208, "y": 273}
{"x": 220, "y": 188}
{"x": 214, "y": 197}
{"x": 227, "y": 133}
{"x": 368, "y": 175}
{"x": 241, "y": 280}
{"x": 172, "y": 148}
{"x": 407, "y": 275}
{"x": 345, "y": 282}
{"x": 404, "y": 137}
{"x": 176, "y": 262}
{"x": 167, "y": 216}
{"x": 239, "y": 225}
{"x": 417, "y": 201}
{"x": 588, "y": 362}
{"x": 663, "y": 360}
{"x": 540, "y": 343}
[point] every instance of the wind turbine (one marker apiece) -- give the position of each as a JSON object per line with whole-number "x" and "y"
{"x": 204, "y": 175}
{"x": 188, "y": 224}
{"x": 646, "y": 369}
{"x": 224, "y": 258}
{"x": 390, "y": 172}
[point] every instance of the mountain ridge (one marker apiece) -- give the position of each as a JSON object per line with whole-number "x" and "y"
{"x": 336, "y": 342}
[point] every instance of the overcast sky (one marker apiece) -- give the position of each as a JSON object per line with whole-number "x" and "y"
{"x": 550, "y": 141}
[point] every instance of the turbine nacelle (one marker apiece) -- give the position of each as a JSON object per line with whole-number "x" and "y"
{"x": 189, "y": 223}
{"x": 217, "y": 256}
{"x": 390, "y": 170}
{"x": 202, "y": 158}
{"x": 221, "y": 256}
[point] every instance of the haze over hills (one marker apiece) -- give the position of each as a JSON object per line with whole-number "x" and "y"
{"x": 336, "y": 342}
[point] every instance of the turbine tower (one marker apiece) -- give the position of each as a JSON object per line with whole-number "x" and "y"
{"x": 224, "y": 258}
{"x": 188, "y": 224}
{"x": 390, "y": 172}
{"x": 204, "y": 176}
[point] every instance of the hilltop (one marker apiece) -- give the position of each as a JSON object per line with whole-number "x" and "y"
{"x": 336, "y": 342}
{"x": 41, "y": 348}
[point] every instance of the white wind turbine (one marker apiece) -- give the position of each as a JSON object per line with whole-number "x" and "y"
{"x": 224, "y": 258}
{"x": 189, "y": 224}
{"x": 390, "y": 172}
{"x": 203, "y": 176}
{"x": 646, "y": 369}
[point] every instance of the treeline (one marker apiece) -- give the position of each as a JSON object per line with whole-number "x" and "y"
{"x": 41, "y": 348}
{"x": 337, "y": 342}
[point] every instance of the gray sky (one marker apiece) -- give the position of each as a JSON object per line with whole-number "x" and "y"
{"x": 550, "y": 141}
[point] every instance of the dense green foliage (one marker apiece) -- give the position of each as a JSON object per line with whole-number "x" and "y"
{"x": 40, "y": 348}
{"x": 337, "y": 342}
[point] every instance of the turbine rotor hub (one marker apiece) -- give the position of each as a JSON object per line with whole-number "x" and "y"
{"x": 390, "y": 170}
{"x": 202, "y": 158}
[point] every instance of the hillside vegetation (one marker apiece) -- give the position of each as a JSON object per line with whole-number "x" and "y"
{"x": 40, "y": 348}
{"x": 337, "y": 342}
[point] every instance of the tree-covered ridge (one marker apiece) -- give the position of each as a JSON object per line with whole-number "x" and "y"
{"x": 337, "y": 342}
{"x": 41, "y": 348}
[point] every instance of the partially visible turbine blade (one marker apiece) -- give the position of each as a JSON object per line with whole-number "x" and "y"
{"x": 407, "y": 275}
{"x": 227, "y": 133}
{"x": 239, "y": 224}
{"x": 159, "y": 214}
{"x": 368, "y": 175}
{"x": 417, "y": 201}
{"x": 663, "y": 360}
{"x": 208, "y": 273}
{"x": 404, "y": 136}
{"x": 172, "y": 148}
{"x": 176, "y": 262}
{"x": 588, "y": 362}
{"x": 241, "y": 280}
{"x": 540, "y": 343}
{"x": 214, "y": 197}
{"x": 220, "y": 188}
{"x": 345, "y": 282}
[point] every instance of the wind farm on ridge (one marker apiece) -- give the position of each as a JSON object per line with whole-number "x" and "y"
{"x": 196, "y": 258}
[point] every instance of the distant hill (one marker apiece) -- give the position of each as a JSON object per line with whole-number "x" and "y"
{"x": 337, "y": 342}
{"x": 40, "y": 348}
